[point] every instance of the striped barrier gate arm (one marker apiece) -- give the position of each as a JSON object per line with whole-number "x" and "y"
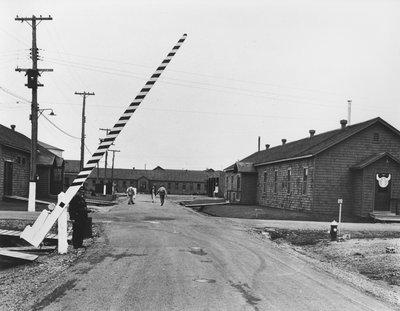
{"x": 36, "y": 233}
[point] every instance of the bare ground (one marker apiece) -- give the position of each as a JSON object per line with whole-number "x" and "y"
{"x": 369, "y": 261}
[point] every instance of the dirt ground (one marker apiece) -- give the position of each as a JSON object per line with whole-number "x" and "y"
{"x": 25, "y": 286}
{"x": 369, "y": 261}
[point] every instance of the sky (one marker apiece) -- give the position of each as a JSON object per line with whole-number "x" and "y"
{"x": 248, "y": 69}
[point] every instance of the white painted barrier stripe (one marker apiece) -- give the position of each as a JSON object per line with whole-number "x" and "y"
{"x": 38, "y": 231}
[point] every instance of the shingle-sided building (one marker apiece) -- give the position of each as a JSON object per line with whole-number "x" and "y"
{"x": 359, "y": 164}
{"x": 15, "y": 150}
{"x": 176, "y": 181}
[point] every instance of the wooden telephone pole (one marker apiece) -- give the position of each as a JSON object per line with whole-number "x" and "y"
{"x": 33, "y": 84}
{"x": 84, "y": 94}
{"x": 112, "y": 169}
{"x": 105, "y": 162}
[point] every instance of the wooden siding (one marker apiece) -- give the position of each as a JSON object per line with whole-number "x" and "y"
{"x": 333, "y": 177}
{"x": 295, "y": 199}
{"x": 20, "y": 162}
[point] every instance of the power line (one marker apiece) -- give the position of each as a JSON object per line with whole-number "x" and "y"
{"x": 14, "y": 95}
{"x": 61, "y": 130}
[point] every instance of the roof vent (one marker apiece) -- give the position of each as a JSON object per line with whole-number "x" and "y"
{"x": 312, "y": 132}
{"x": 343, "y": 123}
{"x": 266, "y": 146}
{"x": 13, "y": 127}
{"x": 283, "y": 141}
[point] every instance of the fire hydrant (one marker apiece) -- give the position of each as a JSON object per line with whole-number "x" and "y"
{"x": 334, "y": 229}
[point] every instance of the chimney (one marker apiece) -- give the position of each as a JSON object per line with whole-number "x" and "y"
{"x": 343, "y": 123}
{"x": 283, "y": 141}
{"x": 312, "y": 132}
{"x": 266, "y": 146}
{"x": 13, "y": 127}
{"x": 259, "y": 139}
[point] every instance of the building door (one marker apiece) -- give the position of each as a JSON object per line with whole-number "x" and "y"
{"x": 8, "y": 178}
{"x": 383, "y": 187}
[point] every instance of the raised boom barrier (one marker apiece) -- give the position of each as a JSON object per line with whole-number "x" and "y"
{"x": 36, "y": 233}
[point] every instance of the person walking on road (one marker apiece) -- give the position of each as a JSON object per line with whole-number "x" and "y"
{"x": 78, "y": 214}
{"x": 163, "y": 193}
{"x": 131, "y": 192}
{"x": 153, "y": 193}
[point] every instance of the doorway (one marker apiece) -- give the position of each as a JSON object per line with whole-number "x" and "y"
{"x": 8, "y": 177}
{"x": 383, "y": 188}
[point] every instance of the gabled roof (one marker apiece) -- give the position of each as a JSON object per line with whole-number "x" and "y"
{"x": 244, "y": 167}
{"x": 164, "y": 175}
{"x": 13, "y": 139}
{"x": 310, "y": 146}
{"x": 372, "y": 159}
{"x": 158, "y": 168}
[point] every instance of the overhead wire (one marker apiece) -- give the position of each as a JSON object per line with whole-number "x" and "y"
{"x": 60, "y": 129}
{"x": 274, "y": 96}
{"x": 14, "y": 95}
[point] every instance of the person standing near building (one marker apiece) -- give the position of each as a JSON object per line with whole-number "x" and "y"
{"x": 78, "y": 214}
{"x": 163, "y": 193}
{"x": 153, "y": 193}
{"x": 131, "y": 192}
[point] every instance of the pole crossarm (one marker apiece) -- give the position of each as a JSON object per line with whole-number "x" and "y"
{"x": 33, "y": 84}
{"x": 38, "y": 69}
{"x": 41, "y": 18}
{"x": 36, "y": 233}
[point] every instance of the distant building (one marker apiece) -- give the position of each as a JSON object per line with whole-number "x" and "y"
{"x": 359, "y": 164}
{"x": 216, "y": 183}
{"x": 15, "y": 150}
{"x": 176, "y": 181}
{"x": 71, "y": 170}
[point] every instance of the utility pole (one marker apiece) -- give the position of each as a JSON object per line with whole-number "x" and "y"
{"x": 112, "y": 169}
{"x": 33, "y": 84}
{"x": 105, "y": 163}
{"x": 84, "y": 94}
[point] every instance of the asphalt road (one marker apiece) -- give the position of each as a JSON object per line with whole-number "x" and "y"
{"x": 170, "y": 258}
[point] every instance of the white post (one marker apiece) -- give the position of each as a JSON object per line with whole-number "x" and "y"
{"x": 32, "y": 196}
{"x": 62, "y": 228}
{"x": 340, "y": 201}
{"x": 105, "y": 189}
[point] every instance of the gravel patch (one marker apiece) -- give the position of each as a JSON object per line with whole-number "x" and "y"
{"x": 370, "y": 264}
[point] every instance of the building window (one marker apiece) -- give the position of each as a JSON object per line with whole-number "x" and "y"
{"x": 265, "y": 181}
{"x": 276, "y": 182}
{"x": 238, "y": 183}
{"x": 184, "y": 186}
{"x": 23, "y": 161}
{"x": 289, "y": 175}
{"x": 191, "y": 186}
{"x": 305, "y": 178}
{"x": 376, "y": 137}
{"x": 169, "y": 185}
{"x": 176, "y": 185}
{"x": 198, "y": 187}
